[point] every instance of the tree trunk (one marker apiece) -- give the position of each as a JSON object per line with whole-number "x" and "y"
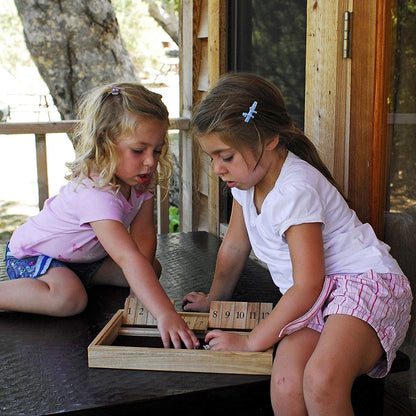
{"x": 75, "y": 45}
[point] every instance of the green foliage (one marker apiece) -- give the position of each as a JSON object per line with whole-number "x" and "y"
{"x": 173, "y": 219}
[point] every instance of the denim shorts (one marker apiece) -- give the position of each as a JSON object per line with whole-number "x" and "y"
{"x": 33, "y": 267}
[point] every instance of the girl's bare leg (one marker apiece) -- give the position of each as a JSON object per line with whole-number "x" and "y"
{"x": 57, "y": 293}
{"x": 347, "y": 348}
{"x": 286, "y": 387}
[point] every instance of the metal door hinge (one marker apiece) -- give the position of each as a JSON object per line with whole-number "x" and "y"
{"x": 346, "y": 49}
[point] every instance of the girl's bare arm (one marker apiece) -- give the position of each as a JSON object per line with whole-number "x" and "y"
{"x": 139, "y": 272}
{"x": 231, "y": 259}
{"x": 306, "y": 251}
{"x": 143, "y": 230}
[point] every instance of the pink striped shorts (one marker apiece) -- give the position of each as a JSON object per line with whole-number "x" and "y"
{"x": 382, "y": 300}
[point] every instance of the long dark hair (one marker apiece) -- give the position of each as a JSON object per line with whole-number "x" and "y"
{"x": 221, "y": 110}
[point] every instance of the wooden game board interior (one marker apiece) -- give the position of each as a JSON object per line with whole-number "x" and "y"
{"x": 131, "y": 340}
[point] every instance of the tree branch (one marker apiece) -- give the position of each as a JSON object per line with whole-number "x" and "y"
{"x": 166, "y": 17}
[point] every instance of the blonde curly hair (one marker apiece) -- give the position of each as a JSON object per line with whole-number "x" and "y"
{"x": 104, "y": 114}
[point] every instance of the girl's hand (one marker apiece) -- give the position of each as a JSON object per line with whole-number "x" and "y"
{"x": 226, "y": 341}
{"x": 173, "y": 329}
{"x": 196, "y": 301}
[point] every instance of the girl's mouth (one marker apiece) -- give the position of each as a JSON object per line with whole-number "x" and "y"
{"x": 143, "y": 178}
{"x": 231, "y": 184}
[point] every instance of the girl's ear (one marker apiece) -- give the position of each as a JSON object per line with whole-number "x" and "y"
{"x": 274, "y": 141}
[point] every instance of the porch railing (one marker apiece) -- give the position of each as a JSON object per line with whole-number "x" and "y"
{"x": 41, "y": 129}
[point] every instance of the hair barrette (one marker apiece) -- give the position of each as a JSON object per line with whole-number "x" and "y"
{"x": 251, "y": 112}
{"x": 116, "y": 90}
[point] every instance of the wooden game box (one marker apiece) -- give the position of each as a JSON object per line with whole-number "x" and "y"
{"x": 131, "y": 340}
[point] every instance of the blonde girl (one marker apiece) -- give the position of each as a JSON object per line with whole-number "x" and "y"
{"x": 100, "y": 228}
{"x": 346, "y": 303}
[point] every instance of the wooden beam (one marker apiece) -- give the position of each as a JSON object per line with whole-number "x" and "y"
{"x": 38, "y": 128}
{"x": 68, "y": 126}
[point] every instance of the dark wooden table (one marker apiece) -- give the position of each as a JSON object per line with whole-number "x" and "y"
{"x": 43, "y": 360}
{"x": 44, "y": 367}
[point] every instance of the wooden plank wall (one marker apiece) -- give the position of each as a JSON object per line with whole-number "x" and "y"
{"x": 208, "y": 62}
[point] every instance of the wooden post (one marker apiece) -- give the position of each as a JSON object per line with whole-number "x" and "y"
{"x": 208, "y": 62}
{"x": 327, "y": 86}
{"x": 185, "y": 137}
{"x": 162, "y": 211}
{"x": 369, "y": 85}
{"x": 42, "y": 167}
{"x": 380, "y": 135}
{"x": 216, "y": 66}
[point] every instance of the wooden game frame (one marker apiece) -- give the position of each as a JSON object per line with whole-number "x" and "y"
{"x": 103, "y": 354}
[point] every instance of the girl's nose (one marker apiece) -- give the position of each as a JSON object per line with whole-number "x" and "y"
{"x": 218, "y": 168}
{"x": 149, "y": 159}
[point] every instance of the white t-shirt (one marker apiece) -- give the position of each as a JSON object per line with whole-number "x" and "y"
{"x": 62, "y": 229}
{"x": 303, "y": 195}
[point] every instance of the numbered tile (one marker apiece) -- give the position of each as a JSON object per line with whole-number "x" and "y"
{"x": 253, "y": 313}
{"x": 227, "y": 315}
{"x": 215, "y": 314}
{"x": 129, "y": 310}
{"x": 141, "y": 317}
{"x": 265, "y": 310}
{"x": 201, "y": 323}
{"x": 151, "y": 321}
{"x": 240, "y": 315}
{"x": 190, "y": 321}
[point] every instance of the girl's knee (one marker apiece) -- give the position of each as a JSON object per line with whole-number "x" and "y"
{"x": 70, "y": 303}
{"x": 67, "y": 295}
{"x": 286, "y": 394}
{"x": 324, "y": 385}
{"x": 285, "y": 385}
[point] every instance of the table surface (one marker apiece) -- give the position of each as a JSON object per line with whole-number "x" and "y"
{"x": 44, "y": 366}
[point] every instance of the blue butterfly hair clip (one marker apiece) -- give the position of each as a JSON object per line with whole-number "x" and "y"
{"x": 251, "y": 112}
